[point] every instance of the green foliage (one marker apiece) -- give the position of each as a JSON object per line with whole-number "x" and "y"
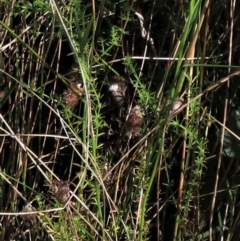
{"x": 93, "y": 168}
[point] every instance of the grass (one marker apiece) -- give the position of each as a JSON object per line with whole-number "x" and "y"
{"x": 83, "y": 160}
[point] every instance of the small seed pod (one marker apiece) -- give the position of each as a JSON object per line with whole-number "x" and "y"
{"x": 61, "y": 191}
{"x": 118, "y": 89}
{"x": 133, "y": 124}
{"x": 29, "y": 220}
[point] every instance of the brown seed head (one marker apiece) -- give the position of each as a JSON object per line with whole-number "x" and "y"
{"x": 71, "y": 95}
{"x": 61, "y": 191}
{"x": 177, "y": 103}
{"x": 108, "y": 180}
{"x": 118, "y": 89}
{"x": 134, "y": 122}
{"x": 29, "y": 220}
{"x": 118, "y": 92}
